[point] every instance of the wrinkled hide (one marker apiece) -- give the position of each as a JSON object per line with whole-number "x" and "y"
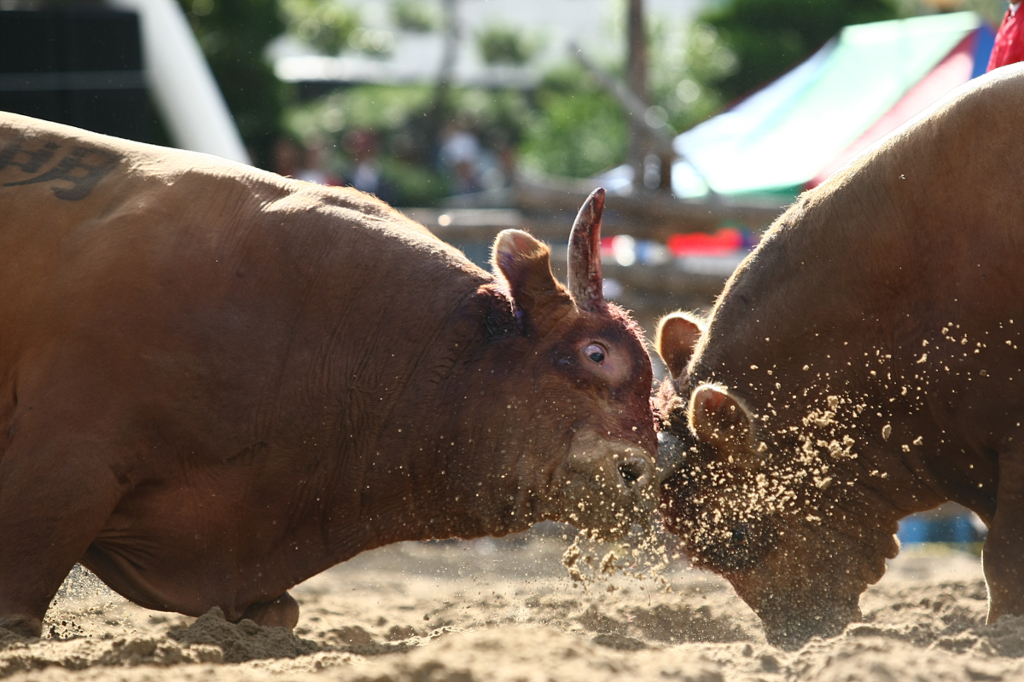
{"x": 216, "y": 382}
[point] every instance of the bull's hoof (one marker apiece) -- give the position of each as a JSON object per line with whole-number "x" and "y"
{"x": 281, "y": 612}
{"x": 22, "y": 626}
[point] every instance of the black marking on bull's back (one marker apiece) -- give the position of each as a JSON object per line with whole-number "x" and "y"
{"x": 77, "y": 171}
{"x": 31, "y": 160}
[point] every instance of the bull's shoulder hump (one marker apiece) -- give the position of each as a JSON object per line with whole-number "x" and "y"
{"x": 364, "y": 218}
{"x": 375, "y": 210}
{"x": 83, "y": 179}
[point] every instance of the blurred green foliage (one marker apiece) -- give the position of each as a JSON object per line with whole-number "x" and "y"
{"x": 576, "y": 129}
{"x": 415, "y": 15}
{"x": 566, "y": 125}
{"x": 505, "y": 44}
{"x": 325, "y": 24}
{"x": 733, "y": 48}
{"x": 381, "y": 107}
{"x": 769, "y": 37}
{"x": 991, "y": 10}
{"x": 233, "y": 35}
{"x": 682, "y": 67}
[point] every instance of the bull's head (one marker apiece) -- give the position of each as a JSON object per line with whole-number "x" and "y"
{"x": 755, "y": 504}
{"x": 584, "y": 383}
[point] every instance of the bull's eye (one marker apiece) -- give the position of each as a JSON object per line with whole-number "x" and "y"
{"x": 595, "y": 352}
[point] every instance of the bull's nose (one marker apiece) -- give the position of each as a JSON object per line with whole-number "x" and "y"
{"x": 636, "y": 472}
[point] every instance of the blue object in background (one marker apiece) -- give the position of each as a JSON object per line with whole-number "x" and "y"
{"x": 918, "y": 528}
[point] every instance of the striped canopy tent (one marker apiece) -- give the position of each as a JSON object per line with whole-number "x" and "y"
{"x": 858, "y": 88}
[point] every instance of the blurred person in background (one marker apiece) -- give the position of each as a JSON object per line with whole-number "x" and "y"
{"x": 1009, "y": 45}
{"x": 286, "y": 157}
{"x": 459, "y": 157}
{"x": 314, "y": 164}
{"x": 364, "y": 173}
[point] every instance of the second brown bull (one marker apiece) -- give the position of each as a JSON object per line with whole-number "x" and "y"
{"x": 866, "y": 361}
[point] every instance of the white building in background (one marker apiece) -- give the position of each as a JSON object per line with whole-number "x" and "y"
{"x": 596, "y": 26}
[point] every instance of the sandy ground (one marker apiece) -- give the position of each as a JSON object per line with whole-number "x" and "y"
{"x": 509, "y": 610}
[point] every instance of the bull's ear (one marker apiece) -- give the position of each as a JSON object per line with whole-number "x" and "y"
{"x": 718, "y": 418}
{"x": 525, "y": 264}
{"x": 678, "y": 335}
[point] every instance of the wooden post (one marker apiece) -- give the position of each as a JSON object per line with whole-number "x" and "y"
{"x": 636, "y": 72}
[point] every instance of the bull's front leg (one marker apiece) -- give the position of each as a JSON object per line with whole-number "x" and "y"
{"x": 1003, "y": 553}
{"x": 55, "y": 496}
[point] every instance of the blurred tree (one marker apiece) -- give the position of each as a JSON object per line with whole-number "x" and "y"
{"x": 416, "y": 16}
{"x": 506, "y": 44}
{"x": 568, "y": 125}
{"x": 769, "y": 37}
{"x": 578, "y": 129}
{"x": 233, "y": 35}
{"x": 992, "y": 10}
{"x": 327, "y": 25}
{"x": 734, "y": 47}
{"x": 684, "y": 70}
{"x": 681, "y": 61}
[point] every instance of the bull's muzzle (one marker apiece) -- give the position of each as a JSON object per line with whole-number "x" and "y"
{"x": 611, "y": 485}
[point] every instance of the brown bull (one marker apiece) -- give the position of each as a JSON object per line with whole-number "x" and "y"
{"x": 216, "y": 382}
{"x": 865, "y": 362}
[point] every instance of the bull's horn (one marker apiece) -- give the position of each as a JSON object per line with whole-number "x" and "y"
{"x": 670, "y": 455}
{"x": 584, "y": 272}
